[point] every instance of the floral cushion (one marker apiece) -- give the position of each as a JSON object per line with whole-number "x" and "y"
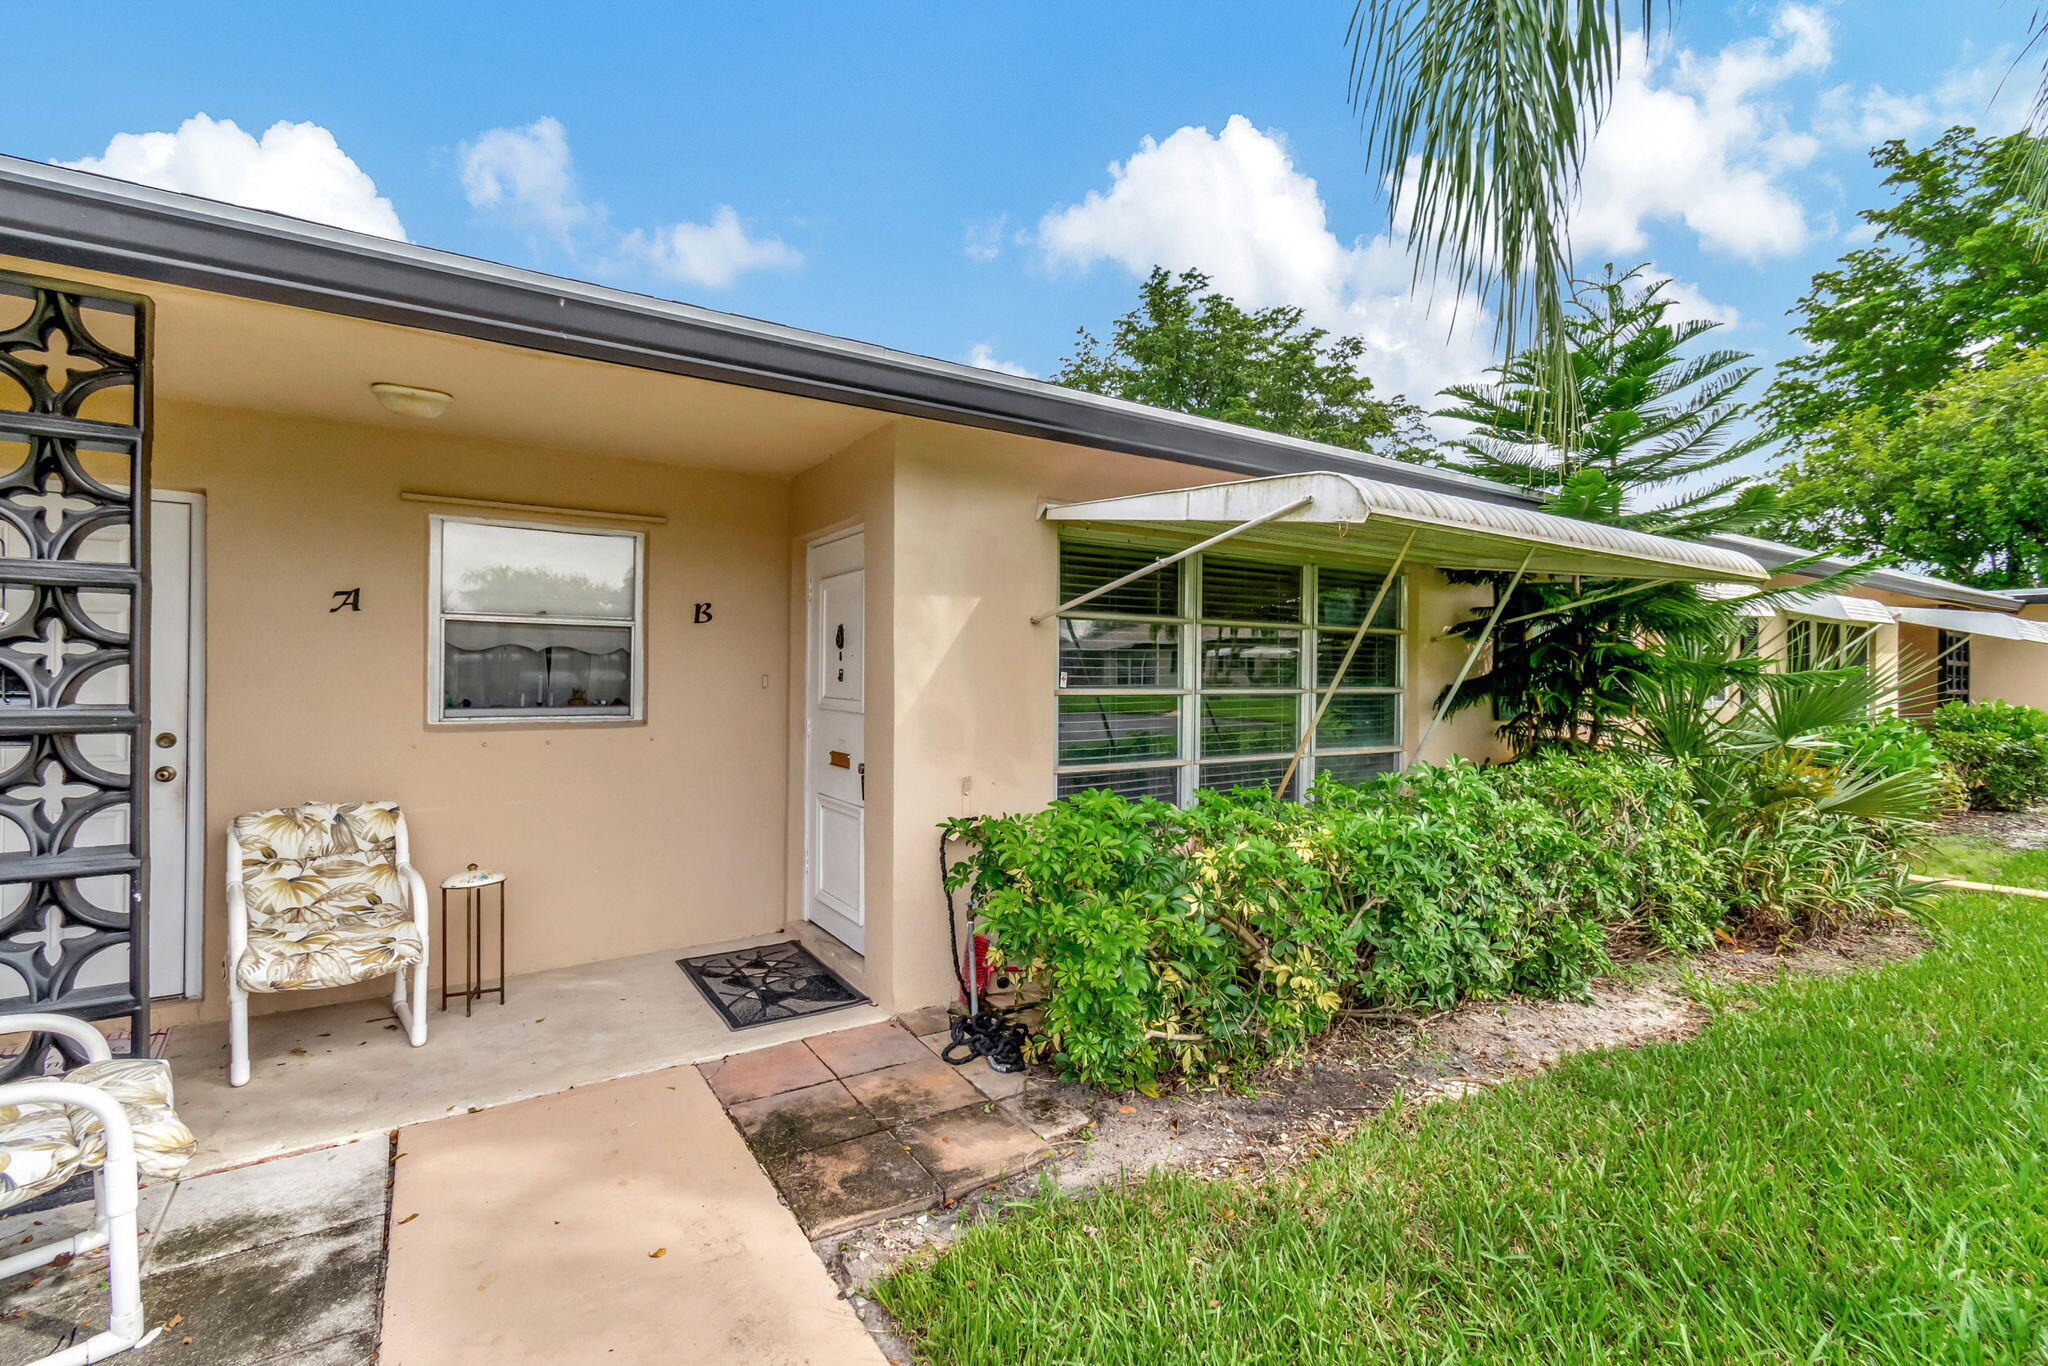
{"x": 326, "y": 906}
{"x": 332, "y": 953}
{"x": 163, "y": 1145}
{"x": 37, "y": 1151}
{"x": 42, "y": 1146}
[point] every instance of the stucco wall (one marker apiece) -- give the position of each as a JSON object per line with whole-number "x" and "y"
{"x": 972, "y": 680}
{"x": 620, "y": 838}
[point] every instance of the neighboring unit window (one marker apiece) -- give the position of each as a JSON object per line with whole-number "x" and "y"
{"x": 534, "y": 622}
{"x": 1205, "y": 673}
{"x": 1953, "y": 677}
{"x": 1825, "y": 645}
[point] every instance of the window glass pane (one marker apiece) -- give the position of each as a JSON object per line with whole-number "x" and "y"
{"x": 1105, "y": 729}
{"x": 1342, "y": 595}
{"x": 1247, "y": 723}
{"x": 1084, "y": 566}
{"x": 1252, "y": 773}
{"x": 1250, "y": 657}
{"x": 1355, "y": 720}
{"x": 497, "y": 667}
{"x": 1376, "y": 665}
{"x": 520, "y": 571}
{"x": 1242, "y": 590}
{"x": 1119, "y": 654}
{"x": 1357, "y": 768}
{"x": 1163, "y": 783}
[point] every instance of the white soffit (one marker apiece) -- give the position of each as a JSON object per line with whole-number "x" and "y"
{"x": 1365, "y": 518}
{"x": 1965, "y": 622}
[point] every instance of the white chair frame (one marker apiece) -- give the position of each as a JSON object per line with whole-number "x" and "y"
{"x": 412, "y": 1013}
{"x": 115, "y": 1199}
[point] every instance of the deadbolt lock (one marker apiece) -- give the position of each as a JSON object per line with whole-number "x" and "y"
{"x": 165, "y": 740}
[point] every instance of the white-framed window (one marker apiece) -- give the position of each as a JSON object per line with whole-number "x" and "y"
{"x": 1207, "y": 672}
{"x": 532, "y": 622}
{"x": 1811, "y": 644}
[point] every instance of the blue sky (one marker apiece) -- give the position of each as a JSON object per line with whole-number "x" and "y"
{"x": 939, "y": 178}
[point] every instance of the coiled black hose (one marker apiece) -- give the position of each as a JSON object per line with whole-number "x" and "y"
{"x": 986, "y": 1033}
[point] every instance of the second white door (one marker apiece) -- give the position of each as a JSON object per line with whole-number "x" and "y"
{"x": 835, "y": 767}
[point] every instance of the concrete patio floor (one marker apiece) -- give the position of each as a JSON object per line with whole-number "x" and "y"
{"x": 277, "y": 1264}
{"x": 336, "y": 1073}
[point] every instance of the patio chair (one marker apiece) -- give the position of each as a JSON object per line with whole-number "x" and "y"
{"x": 323, "y": 895}
{"x": 111, "y": 1117}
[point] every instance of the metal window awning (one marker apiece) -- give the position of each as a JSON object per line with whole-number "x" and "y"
{"x": 1965, "y": 622}
{"x": 1813, "y": 606}
{"x": 1365, "y": 518}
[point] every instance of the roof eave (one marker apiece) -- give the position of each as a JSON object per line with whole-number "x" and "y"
{"x": 82, "y": 221}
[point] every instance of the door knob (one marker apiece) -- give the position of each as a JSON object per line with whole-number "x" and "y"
{"x": 165, "y": 774}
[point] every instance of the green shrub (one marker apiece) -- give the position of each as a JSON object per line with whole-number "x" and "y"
{"x": 1212, "y": 939}
{"x": 1887, "y": 743}
{"x": 1998, "y": 749}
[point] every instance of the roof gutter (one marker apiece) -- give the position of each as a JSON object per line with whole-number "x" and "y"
{"x": 89, "y": 222}
{"x": 1775, "y": 555}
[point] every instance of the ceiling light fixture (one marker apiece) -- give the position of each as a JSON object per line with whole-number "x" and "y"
{"x": 405, "y": 400}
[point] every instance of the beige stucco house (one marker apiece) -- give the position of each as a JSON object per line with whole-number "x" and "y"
{"x": 696, "y": 626}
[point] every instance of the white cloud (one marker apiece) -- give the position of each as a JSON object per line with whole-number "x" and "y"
{"x": 983, "y": 241}
{"x": 712, "y": 254}
{"x": 982, "y": 357}
{"x": 1690, "y": 302}
{"x": 1705, "y": 141}
{"x": 295, "y": 168}
{"x": 526, "y": 173}
{"x": 1987, "y": 93}
{"x": 528, "y": 176}
{"x": 1233, "y": 205}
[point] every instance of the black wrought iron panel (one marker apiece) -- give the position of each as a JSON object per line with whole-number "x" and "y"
{"x": 74, "y": 615}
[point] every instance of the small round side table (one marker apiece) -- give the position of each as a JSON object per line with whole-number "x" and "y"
{"x": 471, "y": 884}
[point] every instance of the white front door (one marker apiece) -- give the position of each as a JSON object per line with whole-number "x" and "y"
{"x": 835, "y": 765}
{"x": 171, "y": 747}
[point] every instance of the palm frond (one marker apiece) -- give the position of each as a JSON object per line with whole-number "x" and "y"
{"x": 1478, "y": 114}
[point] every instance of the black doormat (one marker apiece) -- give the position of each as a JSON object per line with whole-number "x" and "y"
{"x": 759, "y": 986}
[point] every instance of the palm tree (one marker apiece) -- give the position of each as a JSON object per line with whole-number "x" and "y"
{"x": 1480, "y": 112}
{"x": 1643, "y": 411}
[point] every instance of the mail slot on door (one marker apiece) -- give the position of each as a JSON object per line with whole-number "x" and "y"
{"x": 839, "y": 758}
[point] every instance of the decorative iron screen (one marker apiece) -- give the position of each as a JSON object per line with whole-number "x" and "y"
{"x": 74, "y": 614}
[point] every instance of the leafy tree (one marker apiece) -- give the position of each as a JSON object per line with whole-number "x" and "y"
{"x": 1959, "y": 484}
{"x": 1956, "y": 277}
{"x": 1193, "y": 350}
{"x": 1571, "y": 658}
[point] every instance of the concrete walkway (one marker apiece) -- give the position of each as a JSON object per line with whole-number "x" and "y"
{"x": 624, "y": 1222}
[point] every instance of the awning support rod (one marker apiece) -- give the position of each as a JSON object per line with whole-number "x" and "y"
{"x": 1357, "y": 638}
{"x": 1177, "y": 556}
{"x": 1451, "y": 694}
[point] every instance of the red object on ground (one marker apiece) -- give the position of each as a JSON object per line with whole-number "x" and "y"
{"x": 987, "y": 972}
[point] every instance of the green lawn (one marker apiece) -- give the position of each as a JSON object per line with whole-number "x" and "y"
{"x": 1854, "y": 1170}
